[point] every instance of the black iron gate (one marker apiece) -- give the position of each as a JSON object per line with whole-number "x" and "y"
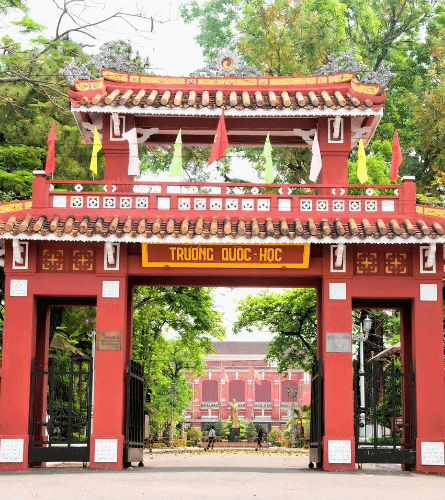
{"x": 134, "y": 433}
{"x": 60, "y": 420}
{"x": 384, "y": 414}
{"x": 316, "y": 431}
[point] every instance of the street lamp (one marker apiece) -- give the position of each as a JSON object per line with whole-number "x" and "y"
{"x": 292, "y": 394}
{"x": 365, "y": 328}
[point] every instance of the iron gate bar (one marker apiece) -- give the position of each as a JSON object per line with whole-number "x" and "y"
{"x": 316, "y": 430}
{"x": 134, "y": 425}
{"x": 52, "y": 448}
{"x": 388, "y": 450}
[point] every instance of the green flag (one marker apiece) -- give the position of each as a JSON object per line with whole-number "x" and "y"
{"x": 267, "y": 155}
{"x": 176, "y": 164}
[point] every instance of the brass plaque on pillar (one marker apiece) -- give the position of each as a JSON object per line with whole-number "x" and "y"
{"x": 109, "y": 341}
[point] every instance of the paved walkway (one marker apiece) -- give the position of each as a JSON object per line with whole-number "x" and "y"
{"x": 220, "y": 475}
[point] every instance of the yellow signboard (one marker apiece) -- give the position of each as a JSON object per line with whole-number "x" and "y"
{"x": 291, "y": 256}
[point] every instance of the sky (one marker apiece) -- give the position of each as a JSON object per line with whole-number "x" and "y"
{"x": 171, "y": 50}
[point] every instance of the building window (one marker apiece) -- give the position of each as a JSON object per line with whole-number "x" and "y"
{"x": 285, "y": 398}
{"x": 262, "y": 392}
{"x": 237, "y": 390}
{"x": 209, "y": 391}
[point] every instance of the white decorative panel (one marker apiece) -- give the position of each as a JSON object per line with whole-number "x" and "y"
{"x": 337, "y": 291}
{"x": 428, "y": 293}
{"x": 11, "y": 450}
{"x": 109, "y": 202}
{"x": 263, "y": 205}
{"x": 333, "y": 268}
{"x": 423, "y": 259}
{"x": 322, "y": 205}
{"x": 284, "y": 204}
{"x": 115, "y": 254}
{"x": 23, "y": 249}
{"x": 184, "y": 203}
{"x": 338, "y": 205}
{"x": 387, "y": 205}
{"x": 110, "y": 289}
{"x": 141, "y": 202}
{"x": 339, "y": 451}
{"x": 231, "y": 204}
{"x": 432, "y": 453}
{"x": 125, "y": 202}
{"x": 59, "y": 201}
{"x": 247, "y": 204}
{"x": 105, "y": 450}
{"x": 306, "y": 205}
{"x": 215, "y": 203}
{"x": 18, "y": 288}
{"x": 200, "y": 203}
{"x": 355, "y": 205}
{"x": 371, "y": 205}
{"x": 92, "y": 201}
{"x": 164, "y": 203}
{"x": 76, "y": 201}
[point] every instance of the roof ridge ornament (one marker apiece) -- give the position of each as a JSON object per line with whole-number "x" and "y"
{"x": 227, "y": 63}
{"x": 347, "y": 62}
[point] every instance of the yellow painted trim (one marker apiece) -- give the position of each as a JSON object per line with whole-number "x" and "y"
{"x": 226, "y": 265}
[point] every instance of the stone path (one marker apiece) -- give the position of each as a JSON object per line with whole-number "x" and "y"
{"x": 220, "y": 475}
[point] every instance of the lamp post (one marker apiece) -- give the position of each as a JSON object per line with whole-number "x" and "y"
{"x": 365, "y": 328}
{"x": 292, "y": 394}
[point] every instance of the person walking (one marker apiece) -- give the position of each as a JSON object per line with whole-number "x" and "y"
{"x": 212, "y": 435}
{"x": 260, "y": 437}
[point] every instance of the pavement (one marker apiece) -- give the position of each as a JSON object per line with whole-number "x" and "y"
{"x": 220, "y": 474}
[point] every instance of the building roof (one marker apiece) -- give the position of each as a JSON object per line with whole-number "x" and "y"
{"x": 239, "y": 347}
{"x": 206, "y": 229}
{"x": 242, "y": 97}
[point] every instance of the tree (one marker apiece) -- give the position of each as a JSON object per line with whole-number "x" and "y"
{"x": 188, "y": 312}
{"x": 291, "y": 316}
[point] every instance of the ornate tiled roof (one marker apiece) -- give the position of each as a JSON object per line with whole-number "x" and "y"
{"x": 124, "y": 90}
{"x": 219, "y": 230}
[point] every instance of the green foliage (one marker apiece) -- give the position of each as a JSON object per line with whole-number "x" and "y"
{"x": 251, "y": 431}
{"x": 194, "y": 434}
{"x": 219, "y": 428}
{"x": 384, "y": 411}
{"x": 275, "y": 435}
{"x": 189, "y": 313}
{"x": 291, "y": 316}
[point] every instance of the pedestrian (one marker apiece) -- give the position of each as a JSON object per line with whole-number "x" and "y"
{"x": 260, "y": 437}
{"x": 212, "y": 434}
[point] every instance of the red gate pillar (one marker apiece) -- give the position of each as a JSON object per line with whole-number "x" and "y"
{"x": 335, "y": 352}
{"x": 427, "y": 317}
{"x": 19, "y": 330}
{"x": 112, "y": 346}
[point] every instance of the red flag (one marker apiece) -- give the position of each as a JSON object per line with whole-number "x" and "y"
{"x": 50, "y": 165}
{"x": 396, "y": 157}
{"x": 221, "y": 142}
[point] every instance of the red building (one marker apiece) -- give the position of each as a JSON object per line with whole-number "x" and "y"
{"x": 237, "y": 370}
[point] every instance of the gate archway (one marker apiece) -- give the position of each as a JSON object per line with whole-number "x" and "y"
{"x": 104, "y": 237}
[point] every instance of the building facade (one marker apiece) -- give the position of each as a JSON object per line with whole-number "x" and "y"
{"x": 238, "y": 370}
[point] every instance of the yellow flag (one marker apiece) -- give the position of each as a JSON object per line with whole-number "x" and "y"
{"x": 97, "y": 146}
{"x": 362, "y": 173}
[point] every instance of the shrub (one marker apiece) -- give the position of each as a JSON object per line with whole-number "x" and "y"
{"x": 277, "y": 443}
{"x": 194, "y": 434}
{"x": 275, "y": 435}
